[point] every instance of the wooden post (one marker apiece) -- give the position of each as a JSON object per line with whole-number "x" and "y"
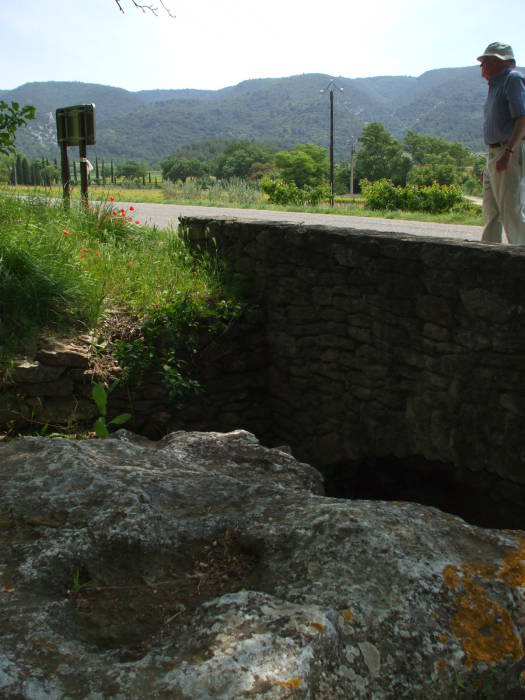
{"x": 83, "y": 171}
{"x": 65, "y": 175}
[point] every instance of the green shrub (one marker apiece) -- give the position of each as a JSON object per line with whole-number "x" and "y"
{"x": 280, "y": 192}
{"x": 434, "y": 199}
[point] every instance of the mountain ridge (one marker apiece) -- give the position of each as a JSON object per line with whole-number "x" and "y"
{"x": 149, "y": 125}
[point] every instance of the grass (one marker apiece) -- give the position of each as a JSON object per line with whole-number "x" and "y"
{"x": 63, "y": 270}
{"x": 246, "y": 195}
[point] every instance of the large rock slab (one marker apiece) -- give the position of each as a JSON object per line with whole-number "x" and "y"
{"x": 206, "y": 566}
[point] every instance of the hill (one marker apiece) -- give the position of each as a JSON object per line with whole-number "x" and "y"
{"x": 151, "y": 124}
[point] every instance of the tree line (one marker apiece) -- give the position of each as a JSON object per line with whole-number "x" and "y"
{"x": 416, "y": 160}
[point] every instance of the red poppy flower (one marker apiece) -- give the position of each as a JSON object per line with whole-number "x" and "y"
{"x": 122, "y": 212}
{"x": 111, "y": 198}
{"x": 137, "y": 222}
{"x": 66, "y": 232}
{"x": 85, "y": 250}
{"x": 132, "y": 208}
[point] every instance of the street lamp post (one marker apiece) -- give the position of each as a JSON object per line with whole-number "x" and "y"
{"x": 330, "y": 88}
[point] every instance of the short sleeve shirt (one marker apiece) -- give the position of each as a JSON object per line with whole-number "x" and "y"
{"x": 505, "y": 103}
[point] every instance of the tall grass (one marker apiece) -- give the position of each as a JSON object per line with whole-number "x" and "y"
{"x": 234, "y": 192}
{"x": 61, "y": 270}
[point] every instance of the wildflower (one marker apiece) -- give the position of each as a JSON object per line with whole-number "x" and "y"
{"x": 97, "y": 253}
{"x": 129, "y": 218}
{"x": 131, "y": 263}
{"x": 85, "y": 250}
{"x": 137, "y": 222}
{"x": 111, "y": 198}
{"x": 82, "y": 256}
{"x": 132, "y": 208}
{"x": 66, "y": 232}
{"x": 122, "y": 212}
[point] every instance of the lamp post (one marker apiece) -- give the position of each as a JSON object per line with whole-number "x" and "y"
{"x": 330, "y": 87}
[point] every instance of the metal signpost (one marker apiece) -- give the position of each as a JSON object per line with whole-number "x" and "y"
{"x": 75, "y": 127}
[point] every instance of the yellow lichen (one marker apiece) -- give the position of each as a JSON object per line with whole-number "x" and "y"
{"x": 293, "y": 682}
{"x": 347, "y": 615}
{"x": 484, "y": 627}
{"x": 513, "y": 568}
{"x": 441, "y": 664}
{"x": 318, "y": 626}
{"x": 451, "y": 576}
{"x": 443, "y": 638}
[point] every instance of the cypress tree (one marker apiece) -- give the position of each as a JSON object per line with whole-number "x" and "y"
{"x": 97, "y": 179}
{"x": 19, "y": 175}
{"x": 75, "y": 171}
{"x": 26, "y": 177}
{"x": 149, "y": 178}
{"x": 112, "y": 173}
{"x": 103, "y": 173}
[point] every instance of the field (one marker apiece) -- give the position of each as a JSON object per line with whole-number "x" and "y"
{"x": 243, "y": 195}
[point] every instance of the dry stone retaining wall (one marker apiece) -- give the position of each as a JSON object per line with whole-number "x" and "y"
{"x": 53, "y": 388}
{"x": 384, "y": 345}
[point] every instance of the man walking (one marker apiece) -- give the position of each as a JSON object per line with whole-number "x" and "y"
{"x": 504, "y": 131}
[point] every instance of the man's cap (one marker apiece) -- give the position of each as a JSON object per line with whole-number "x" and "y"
{"x": 502, "y": 51}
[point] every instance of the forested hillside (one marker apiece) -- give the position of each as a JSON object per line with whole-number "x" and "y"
{"x": 149, "y": 125}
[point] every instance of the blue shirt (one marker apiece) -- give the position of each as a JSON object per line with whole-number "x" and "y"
{"x": 505, "y": 103}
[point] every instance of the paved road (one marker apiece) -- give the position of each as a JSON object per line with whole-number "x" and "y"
{"x": 164, "y": 215}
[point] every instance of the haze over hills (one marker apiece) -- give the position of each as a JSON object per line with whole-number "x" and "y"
{"x": 149, "y": 125}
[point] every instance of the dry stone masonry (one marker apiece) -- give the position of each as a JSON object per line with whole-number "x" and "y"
{"x": 385, "y": 348}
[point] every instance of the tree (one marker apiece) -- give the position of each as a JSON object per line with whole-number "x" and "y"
{"x": 131, "y": 170}
{"x": 175, "y": 168}
{"x": 243, "y": 159}
{"x": 444, "y": 173}
{"x": 381, "y": 156}
{"x": 306, "y": 164}
{"x": 6, "y": 166}
{"x": 11, "y": 118}
{"x": 432, "y": 149}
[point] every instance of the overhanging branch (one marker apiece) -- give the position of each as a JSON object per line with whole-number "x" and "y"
{"x": 147, "y": 8}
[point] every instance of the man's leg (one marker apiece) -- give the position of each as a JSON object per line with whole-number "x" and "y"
{"x": 493, "y": 228}
{"x": 510, "y": 203}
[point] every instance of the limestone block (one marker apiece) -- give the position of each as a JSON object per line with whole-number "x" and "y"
{"x": 34, "y": 372}
{"x": 205, "y": 566}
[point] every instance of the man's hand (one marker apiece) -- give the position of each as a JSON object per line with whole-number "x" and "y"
{"x": 503, "y": 161}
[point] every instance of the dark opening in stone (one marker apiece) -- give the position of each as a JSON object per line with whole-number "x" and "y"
{"x": 480, "y": 498}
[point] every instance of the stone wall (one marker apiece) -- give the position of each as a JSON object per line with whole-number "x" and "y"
{"x": 384, "y": 346}
{"x": 53, "y": 388}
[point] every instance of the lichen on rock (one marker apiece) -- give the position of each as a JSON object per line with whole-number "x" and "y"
{"x": 207, "y": 566}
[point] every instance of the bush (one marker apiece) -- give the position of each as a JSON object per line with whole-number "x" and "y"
{"x": 280, "y": 192}
{"x": 434, "y": 199}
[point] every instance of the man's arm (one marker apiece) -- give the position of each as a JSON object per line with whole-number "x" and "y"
{"x": 518, "y": 132}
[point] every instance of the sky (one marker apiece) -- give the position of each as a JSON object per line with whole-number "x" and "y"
{"x": 211, "y": 44}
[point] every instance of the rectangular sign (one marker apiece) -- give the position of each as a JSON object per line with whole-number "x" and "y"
{"x": 76, "y": 125}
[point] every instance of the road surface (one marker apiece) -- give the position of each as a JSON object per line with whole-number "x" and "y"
{"x": 164, "y": 215}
